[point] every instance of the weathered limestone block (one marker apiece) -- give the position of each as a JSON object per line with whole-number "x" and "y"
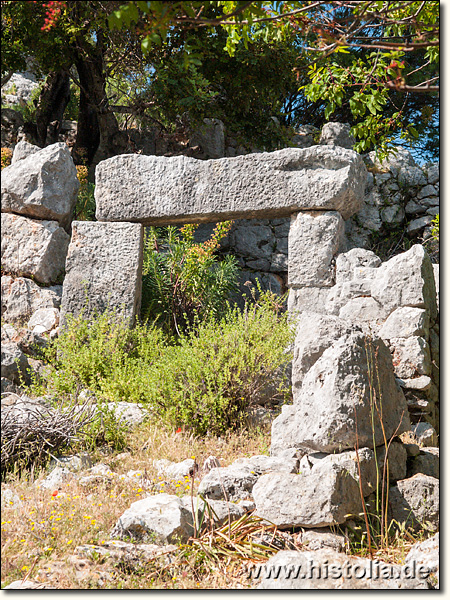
{"x": 341, "y": 293}
{"x": 396, "y": 461}
{"x": 336, "y": 400}
{"x": 347, "y": 262}
{"x": 22, "y": 150}
{"x": 43, "y": 185}
{"x": 169, "y": 518}
{"x": 233, "y": 483}
{"x": 337, "y": 134}
{"x": 180, "y": 189}
{"x": 43, "y": 320}
{"x": 210, "y": 136}
{"x": 261, "y": 464}
{"x": 406, "y": 280}
{"x": 363, "y": 310}
{"x": 315, "y": 333}
{"x": 103, "y": 269}
{"x": 164, "y": 517}
{"x": 311, "y": 299}
{"x": 21, "y": 297}
{"x": 436, "y": 282}
{"x": 425, "y": 434}
{"x": 426, "y": 554}
{"x": 410, "y": 356}
{"x": 415, "y": 501}
{"x": 323, "y": 496}
{"x": 253, "y": 241}
{"x": 14, "y": 363}
{"x": 314, "y": 240}
{"x": 427, "y": 462}
{"x": 348, "y": 461}
{"x": 33, "y": 248}
{"x": 405, "y": 322}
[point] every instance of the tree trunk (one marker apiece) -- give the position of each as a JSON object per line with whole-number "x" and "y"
{"x": 98, "y": 135}
{"x": 52, "y": 103}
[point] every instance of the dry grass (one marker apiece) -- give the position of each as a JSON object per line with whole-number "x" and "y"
{"x": 39, "y": 538}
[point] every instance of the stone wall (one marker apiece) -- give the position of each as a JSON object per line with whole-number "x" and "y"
{"x": 366, "y": 355}
{"x": 400, "y": 201}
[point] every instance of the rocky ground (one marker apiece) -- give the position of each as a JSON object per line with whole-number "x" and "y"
{"x": 143, "y": 519}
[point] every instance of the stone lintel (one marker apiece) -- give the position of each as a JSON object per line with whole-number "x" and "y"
{"x": 156, "y": 190}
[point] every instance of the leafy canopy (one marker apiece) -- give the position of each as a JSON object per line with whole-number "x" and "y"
{"x": 379, "y": 39}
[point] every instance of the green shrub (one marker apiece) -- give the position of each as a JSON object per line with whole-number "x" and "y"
{"x": 205, "y": 382}
{"x": 102, "y": 352}
{"x": 183, "y": 280}
{"x": 218, "y": 371}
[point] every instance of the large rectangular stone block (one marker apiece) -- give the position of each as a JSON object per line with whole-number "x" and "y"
{"x": 159, "y": 190}
{"x": 314, "y": 241}
{"x": 103, "y": 269}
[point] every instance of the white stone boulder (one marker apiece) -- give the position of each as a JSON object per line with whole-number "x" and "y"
{"x": 128, "y": 413}
{"x": 345, "y": 291}
{"x": 348, "y": 262}
{"x": 324, "y": 495}
{"x": 56, "y": 479}
{"x": 14, "y": 363}
{"x": 337, "y": 134}
{"x": 333, "y": 410}
{"x": 22, "y": 150}
{"x": 264, "y": 464}
{"x": 9, "y": 499}
{"x": 410, "y": 356}
{"x": 406, "y": 280}
{"x": 314, "y": 334}
{"x": 404, "y": 322}
{"x": 354, "y": 464}
{"x": 162, "y": 518}
{"x": 22, "y": 297}
{"x": 44, "y": 185}
{"x": 229, "y": 483}
{"x": 427, "y": 554}
{"x": 167, "y": 518}
{"x": 173, "y": 470}
{"x": 415, "y": 501}
{"x": 78, "y": 462}
{"x": 45, "y": 319}
{"x": 33, "y": 248}
{"x": 324, "y": 537}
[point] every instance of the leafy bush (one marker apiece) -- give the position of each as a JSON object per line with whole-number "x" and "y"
{"x": 204, "y": 382}
{"x": 219, "y": 370}
{"x": 183, "y": 280}
{"x": 102, "y": 353}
